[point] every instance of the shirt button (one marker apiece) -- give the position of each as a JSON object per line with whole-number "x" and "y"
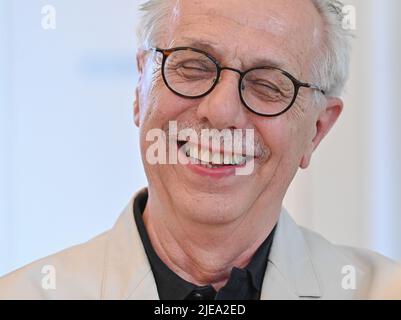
{"x": 198, "y": 296}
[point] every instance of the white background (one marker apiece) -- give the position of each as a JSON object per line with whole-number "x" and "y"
{"x": 69, "y": 156}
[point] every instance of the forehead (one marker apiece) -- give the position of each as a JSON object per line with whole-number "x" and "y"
{"x": 284, "y": 31}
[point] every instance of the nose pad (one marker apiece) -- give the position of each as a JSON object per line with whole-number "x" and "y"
{"x": 239, "y": 72}
{"x": 218, "y": 79}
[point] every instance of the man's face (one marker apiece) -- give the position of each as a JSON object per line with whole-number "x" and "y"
{"x": 239, "y": 34}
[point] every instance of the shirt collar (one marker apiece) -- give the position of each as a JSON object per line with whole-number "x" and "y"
{"x": 257, "y": 266}
{"x": 170, "y": 285}
{"x": 173, "y": 287}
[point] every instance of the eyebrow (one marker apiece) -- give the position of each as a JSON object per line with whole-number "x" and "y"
{"x": 213, "y": 49}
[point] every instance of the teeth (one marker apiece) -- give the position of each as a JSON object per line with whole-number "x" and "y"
{"x": 216, "y": 158}
{"x": 237, "y": 159}
{"x": 240, "y": 160}
{"x": 194, "y": 152}
{"x": 228, "y": 159}
{"x": 186, "y": 149}
{"x": 205, "y": 156}
{"x": 212, "y": 158}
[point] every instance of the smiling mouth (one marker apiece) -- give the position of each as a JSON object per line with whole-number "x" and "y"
{"x": 208, "y": 158}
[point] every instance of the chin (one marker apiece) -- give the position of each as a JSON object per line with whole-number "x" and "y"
{"x": 213, "y": 209}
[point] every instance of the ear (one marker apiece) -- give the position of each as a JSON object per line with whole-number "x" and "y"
{"x": 136, "y": 108}
{"x": 140, "y": 61}
{"x": 326, "y": 118}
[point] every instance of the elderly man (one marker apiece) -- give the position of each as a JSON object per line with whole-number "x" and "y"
{"x": 203, "y": 229}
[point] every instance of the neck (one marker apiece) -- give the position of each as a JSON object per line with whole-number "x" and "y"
{"x": 203, "y": 253}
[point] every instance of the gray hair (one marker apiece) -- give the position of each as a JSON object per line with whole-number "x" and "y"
{"x": 331, "y": 67}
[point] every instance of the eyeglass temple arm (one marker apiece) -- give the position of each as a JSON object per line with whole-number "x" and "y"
{"x": 155, "y": 49}
{"x": 312, "y": 86}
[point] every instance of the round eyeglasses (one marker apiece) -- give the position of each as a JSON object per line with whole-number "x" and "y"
{"x": 266, "y": 91}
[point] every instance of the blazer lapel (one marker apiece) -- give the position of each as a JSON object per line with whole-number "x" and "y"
{"x": 127, "y": 272}
{"x": 290, "y": 273}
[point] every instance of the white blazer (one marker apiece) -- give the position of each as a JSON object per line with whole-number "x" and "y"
{"x": 302, "y": 265}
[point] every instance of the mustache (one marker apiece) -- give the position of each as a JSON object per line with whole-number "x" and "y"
{"x": 261, "y": 151}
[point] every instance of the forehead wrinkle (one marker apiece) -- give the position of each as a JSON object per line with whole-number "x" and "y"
{"x": 274, "y": 27}
{"x": 211, "y": 39}
{"x": 213, "y": 49}
{"x": 271, "y": 20}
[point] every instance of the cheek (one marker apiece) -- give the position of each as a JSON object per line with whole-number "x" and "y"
{"x": 161, "y": 106}
{"x": 276, "y": 134}
{"x": 164, "y": 106}
{"x": 285, "y": 139}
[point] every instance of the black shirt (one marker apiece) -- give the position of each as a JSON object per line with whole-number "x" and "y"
{"x": 243, "y": 284}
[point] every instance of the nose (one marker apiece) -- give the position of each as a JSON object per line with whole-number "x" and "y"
{"x": 223, "y": 106}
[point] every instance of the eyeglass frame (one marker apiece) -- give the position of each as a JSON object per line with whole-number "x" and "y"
{"x": 297, "y": 83}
